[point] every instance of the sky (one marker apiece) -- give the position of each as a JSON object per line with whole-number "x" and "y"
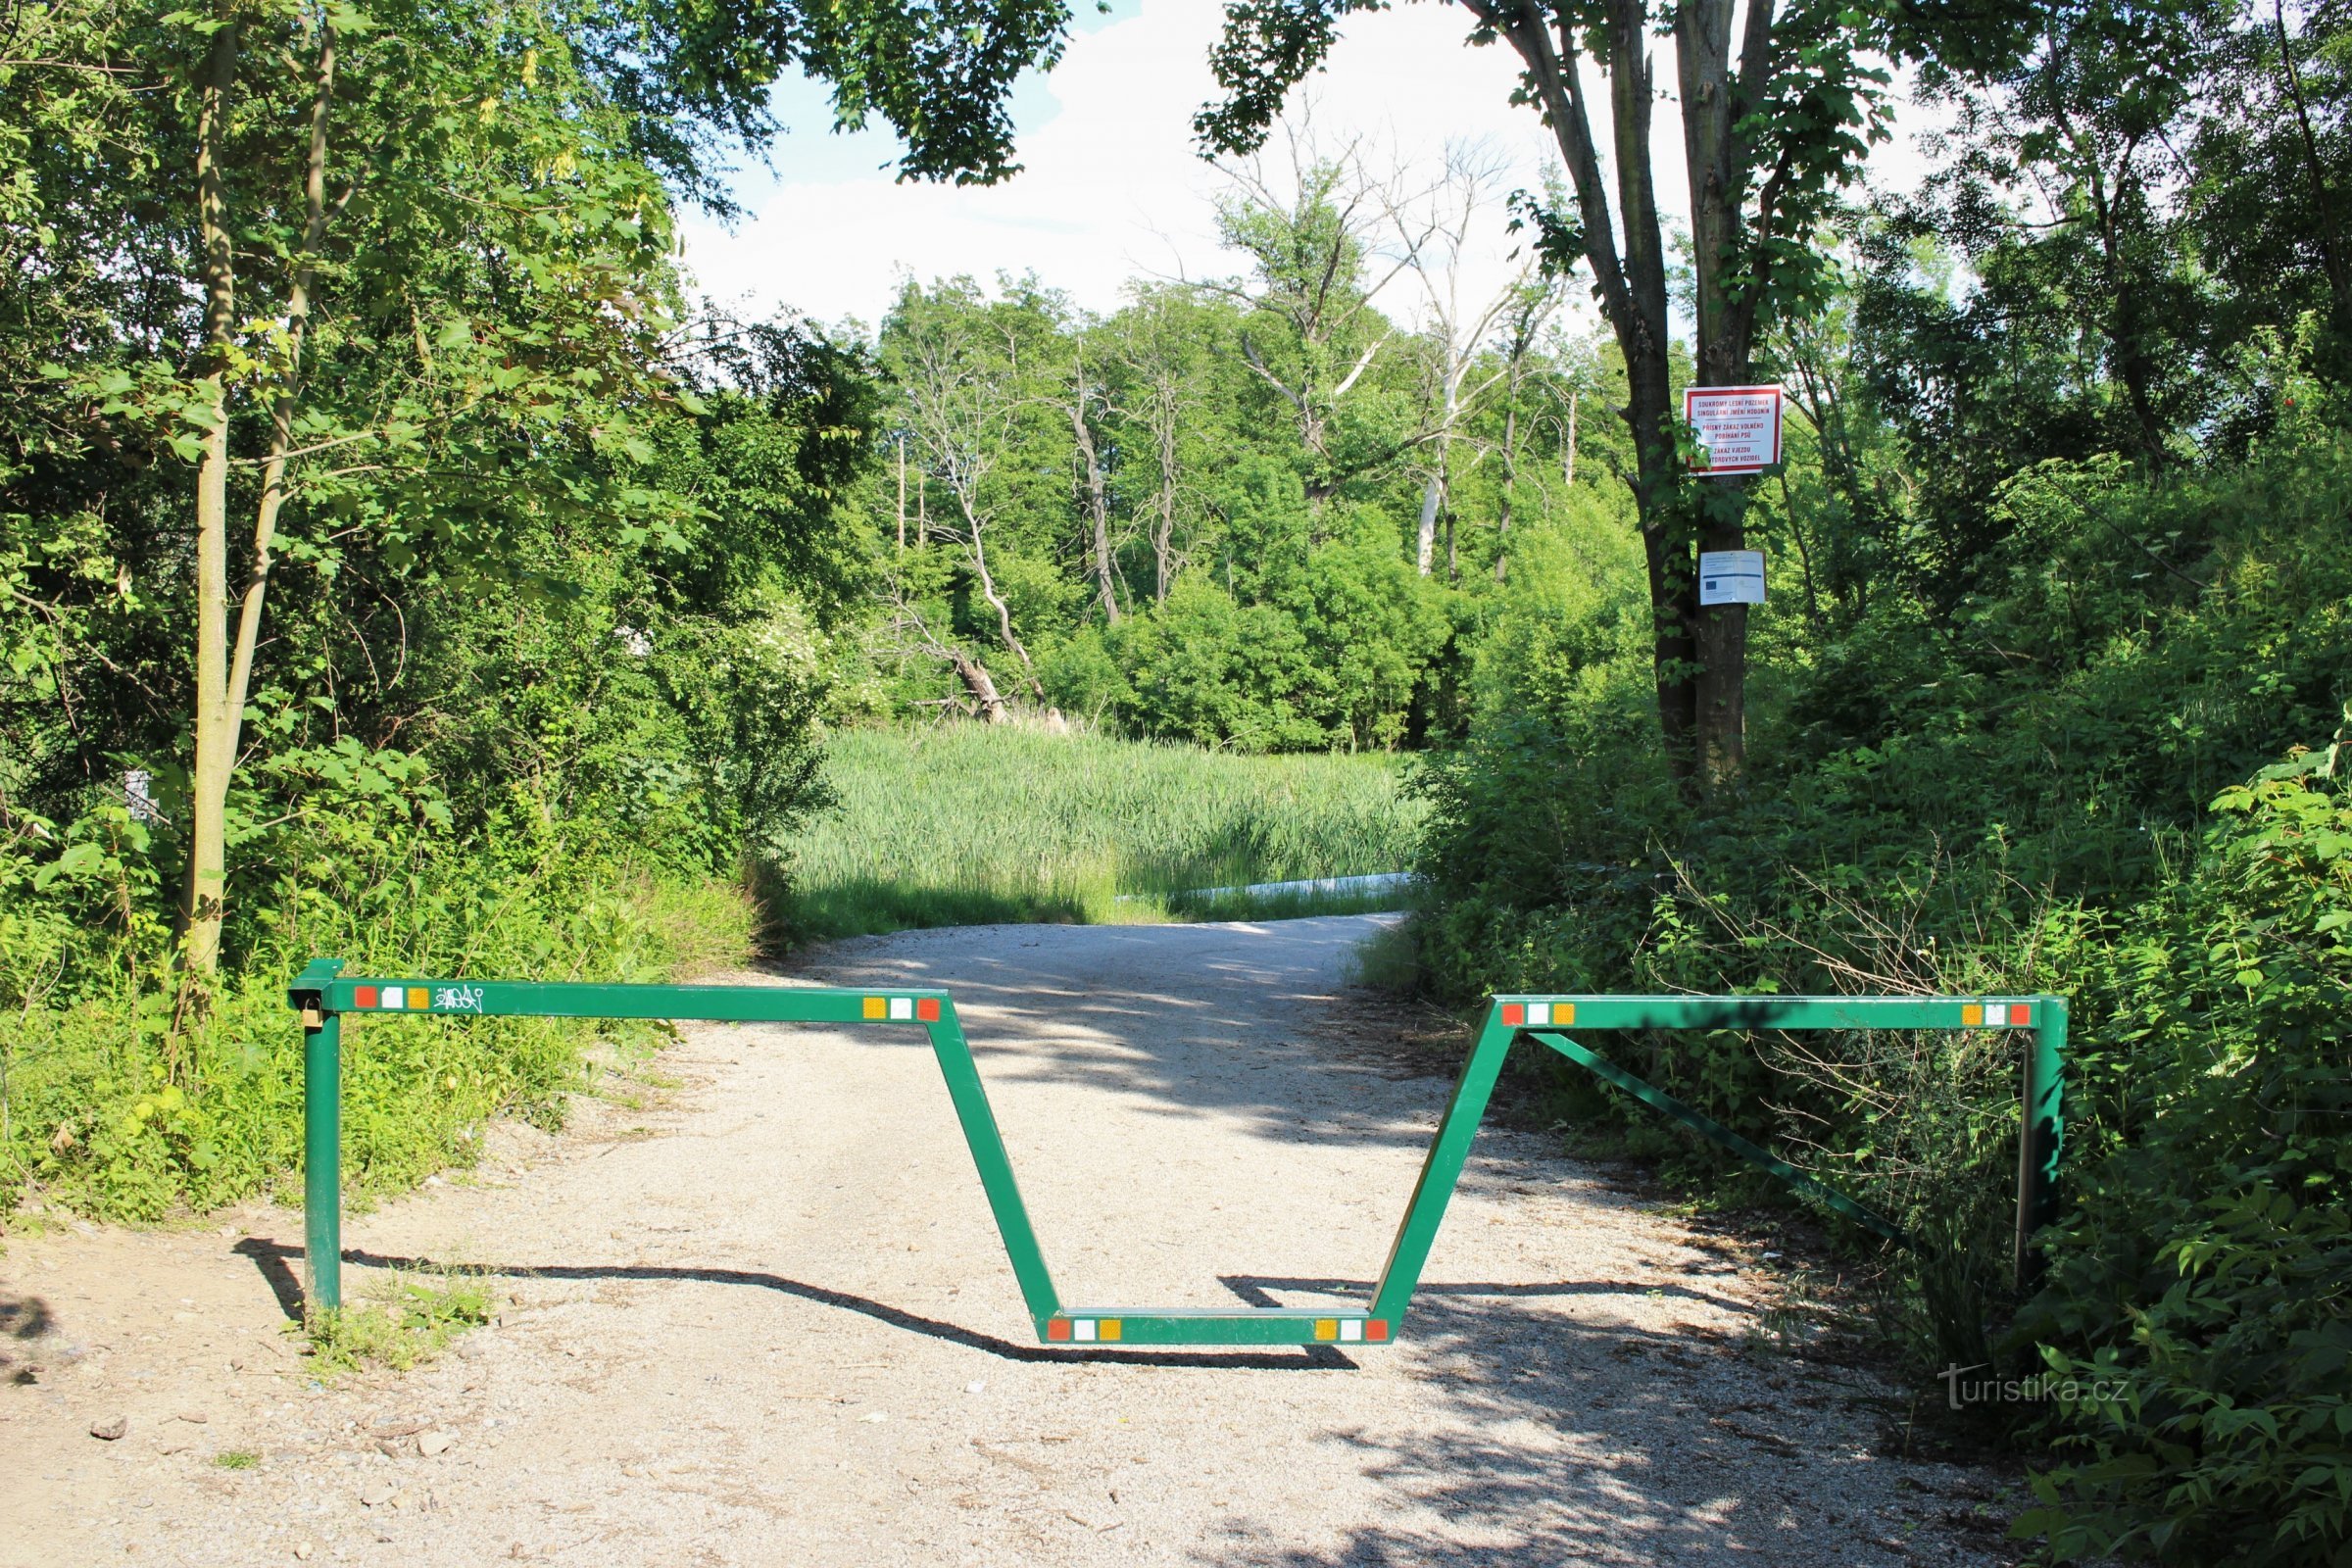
{"x": 1112, "y": 186}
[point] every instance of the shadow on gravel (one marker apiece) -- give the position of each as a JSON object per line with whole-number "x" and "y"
{"x": 1538, "y": 1440}
{"x": 1143, "y": 1042}
{"x": 21, "y": 1317}
{"x": 273, "y": 1258}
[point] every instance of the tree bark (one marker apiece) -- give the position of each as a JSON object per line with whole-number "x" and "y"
{"x": 1510, "y": 477}
{"x": 982, "y": 686}
{"x": 1633, "y": 295}
{"x": 203, "y": 900}
{"x": 1098, "y": 503}
{"x": 1163, "y": 530}
{"x": 2331, "y": 246}
{"x": 996, "y": 601}
{"x": 1433, "y": 495}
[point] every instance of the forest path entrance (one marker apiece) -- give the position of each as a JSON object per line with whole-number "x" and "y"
{"x": 772, "y": 1323}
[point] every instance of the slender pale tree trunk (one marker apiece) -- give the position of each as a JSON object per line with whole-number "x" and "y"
{"x": 1433, "y": 495}
{"x": 1163, "y": 532}
{"x": 996, "y": 600}
{"x": 1510, "y": 477}
{"x": 225, "y": 670}
{"x": 202, "y": 900}
{"x": 289, "y": 395}
{"x": 1098, "y": 500}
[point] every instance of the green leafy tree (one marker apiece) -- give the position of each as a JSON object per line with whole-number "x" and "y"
{"x": 399, "y": 272}
{"x": 1769, "y": 136}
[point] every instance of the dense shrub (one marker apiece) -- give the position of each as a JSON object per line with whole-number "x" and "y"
{"x": 2043, "y": 785}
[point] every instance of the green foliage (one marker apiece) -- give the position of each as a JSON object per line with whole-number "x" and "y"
{"x": 114, "y": 1106}
{"x": 975, "y": 824}
{"x": 2033, "y": 784}
{"x": 1259, "y": 448}
{"x": 542, "y": 647}
{"x": 2196, "y": 1314}
{"x": 408, "y": 1322}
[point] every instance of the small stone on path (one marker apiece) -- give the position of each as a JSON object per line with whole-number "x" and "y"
{"x": 111, "y": 1429}
{"x": 432, "y": 1443}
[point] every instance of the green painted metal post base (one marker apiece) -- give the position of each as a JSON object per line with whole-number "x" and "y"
{"x": 323, "y": 994}
{"x": 323, "y": 1161}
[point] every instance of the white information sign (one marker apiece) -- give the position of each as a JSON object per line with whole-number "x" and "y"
{"x": 1731, "y": 576}
{"x": 1739, "y": 427}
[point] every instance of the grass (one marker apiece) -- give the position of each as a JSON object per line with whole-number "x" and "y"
{"x": 236, "y": 1460}
{"x": 408, "y": 1322}
{"x": 969, "y": 825}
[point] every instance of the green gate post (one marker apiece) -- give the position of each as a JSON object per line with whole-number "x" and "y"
{"x": 2041, "y": 1136}
{"x": 322, "y": 1160}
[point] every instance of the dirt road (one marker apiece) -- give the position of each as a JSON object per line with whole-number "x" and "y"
{"x": 773, "y": 1324}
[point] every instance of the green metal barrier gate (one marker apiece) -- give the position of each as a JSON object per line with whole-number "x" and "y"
{"x": 323, "y": 994}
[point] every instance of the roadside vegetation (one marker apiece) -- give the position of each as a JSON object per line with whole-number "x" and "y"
{"x": 398, "y": 562}
{"x": 406, "y": 1322}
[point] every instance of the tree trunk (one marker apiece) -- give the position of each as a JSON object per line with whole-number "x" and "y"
{"x": 1163, "y": 532}
{"x": 996, "y": 601}
{"x": 1720, "y": 637}
{"x": 1097, "y": 503}
{"x": 2124, "y": 322}
{"x": 2332, "y": 260}
{"x": 1432, "y": 494}
{"x": 289, "y": 395}
{"x": 1725, "y": 312}
{"x": 1510, "y": 477}
{"x": 983, "y": 687}
{"x": 202, "y": 902}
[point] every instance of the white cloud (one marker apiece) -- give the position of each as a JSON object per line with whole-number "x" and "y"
{"x": 1112, "y": 186}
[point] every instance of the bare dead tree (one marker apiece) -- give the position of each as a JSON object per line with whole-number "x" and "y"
{"x": 1160, "y": 387}
{"x": 1430, "y": 232}
{"x": 906, "y": 632}
{"x": 1305, "y": 221}
{"x": 963, "y": 404}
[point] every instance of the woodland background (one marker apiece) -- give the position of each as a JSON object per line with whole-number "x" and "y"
{"x": 566, "y": 585}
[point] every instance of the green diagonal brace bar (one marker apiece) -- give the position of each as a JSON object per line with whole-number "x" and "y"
{"x": 323, "y": 994}
{"x": 1717, "y": 1133}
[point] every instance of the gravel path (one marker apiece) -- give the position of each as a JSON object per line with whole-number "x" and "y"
{"x": 772, "y": 1323}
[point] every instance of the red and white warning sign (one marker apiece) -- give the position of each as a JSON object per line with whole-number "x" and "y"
{"x": 1739, "y": 427}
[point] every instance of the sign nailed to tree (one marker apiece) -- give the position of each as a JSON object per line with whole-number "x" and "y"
{"x": 1739, "y": 427}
